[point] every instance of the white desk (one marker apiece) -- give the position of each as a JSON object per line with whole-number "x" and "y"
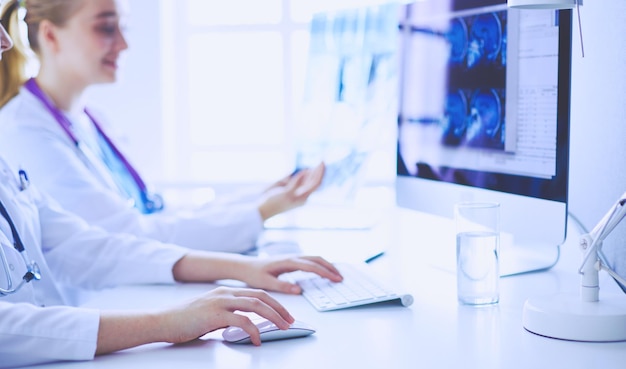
{"x": 435, "y": 332}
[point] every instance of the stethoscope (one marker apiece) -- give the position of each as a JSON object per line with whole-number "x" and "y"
{"x": 151, "y": 202}
{"x": 32, "y": 269}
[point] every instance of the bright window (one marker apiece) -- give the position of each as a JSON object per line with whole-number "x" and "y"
{"x": 233, "y": 76}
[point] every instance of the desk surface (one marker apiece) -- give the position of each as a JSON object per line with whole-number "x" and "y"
{"x": 435, "y": 332}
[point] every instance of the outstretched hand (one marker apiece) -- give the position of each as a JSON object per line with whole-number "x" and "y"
{"x": 291, "y": 191}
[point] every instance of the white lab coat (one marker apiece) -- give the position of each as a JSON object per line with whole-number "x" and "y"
{"x": 31, "y": 138}
{"x": 36, "y": 325}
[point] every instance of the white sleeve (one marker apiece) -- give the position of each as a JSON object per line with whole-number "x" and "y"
{"x": 32, "y": 335}
{"x": 33, "y": 140}
{"x": 230, "y": 228}
{"x": 85, "y": 256}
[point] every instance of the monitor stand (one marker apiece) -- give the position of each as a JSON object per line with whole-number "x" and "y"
{"x": 515, "y": 258}
{"x": 521, "y": 259}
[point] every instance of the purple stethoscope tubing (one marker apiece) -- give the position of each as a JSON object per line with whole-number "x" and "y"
{"x": 32, "y": 86}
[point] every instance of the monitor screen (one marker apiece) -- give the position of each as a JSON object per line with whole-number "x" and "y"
{"x": 484, "y": 115}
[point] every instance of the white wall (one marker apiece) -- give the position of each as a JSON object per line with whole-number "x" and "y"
{"x": 598, "y": 127}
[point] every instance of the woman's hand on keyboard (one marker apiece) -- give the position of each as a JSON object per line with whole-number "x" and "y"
{"x": 264, "y": 273}
{"x": 202, "y": 266}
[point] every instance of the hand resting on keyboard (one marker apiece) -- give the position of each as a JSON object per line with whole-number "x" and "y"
{"x": 357, "y": 288}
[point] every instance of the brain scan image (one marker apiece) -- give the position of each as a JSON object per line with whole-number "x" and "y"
{"x": 485, "y": 39}
{"x": 457, "y": 37}
{"x": 483, "y": 128}
{"x": 455, "y": 118}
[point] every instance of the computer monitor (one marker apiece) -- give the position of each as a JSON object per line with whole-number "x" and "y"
{"x": 484, "y": 116}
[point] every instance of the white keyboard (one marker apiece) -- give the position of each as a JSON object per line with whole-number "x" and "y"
{"x": 357, "y": 288}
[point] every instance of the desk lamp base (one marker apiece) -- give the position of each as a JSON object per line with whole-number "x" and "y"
{"x": 566, "y": 317}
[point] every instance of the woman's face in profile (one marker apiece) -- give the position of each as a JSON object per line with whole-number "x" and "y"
{"x": 90, "y": 41}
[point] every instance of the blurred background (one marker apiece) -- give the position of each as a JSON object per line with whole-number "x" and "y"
{"x": 210, "y": 94}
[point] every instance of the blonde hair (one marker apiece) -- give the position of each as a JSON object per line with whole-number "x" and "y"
{"x": 14, "y": 61}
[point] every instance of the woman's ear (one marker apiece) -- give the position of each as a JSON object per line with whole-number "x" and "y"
{"x": 47, "y": 35}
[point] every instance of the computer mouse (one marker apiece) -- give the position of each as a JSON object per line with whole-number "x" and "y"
{"x": 269, "y": 332}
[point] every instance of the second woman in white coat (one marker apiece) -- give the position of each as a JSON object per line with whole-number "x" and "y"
{"x": 47, "y": 129}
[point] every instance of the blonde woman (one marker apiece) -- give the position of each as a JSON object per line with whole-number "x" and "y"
{"x": 45, "y": 126}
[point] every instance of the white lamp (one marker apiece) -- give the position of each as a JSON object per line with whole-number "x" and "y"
{"x": 542, "y": 4}
{"x": 584, "y": 317}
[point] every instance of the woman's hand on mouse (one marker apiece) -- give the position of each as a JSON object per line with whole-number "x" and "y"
{"x": 216, "y": 309}
{"x": 191, "y": 320}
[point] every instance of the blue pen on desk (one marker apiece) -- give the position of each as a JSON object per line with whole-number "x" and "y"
{"x": 374, "y": 257}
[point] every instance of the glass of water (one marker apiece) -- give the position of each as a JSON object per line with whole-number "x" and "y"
{"x": 477, "y": 251}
